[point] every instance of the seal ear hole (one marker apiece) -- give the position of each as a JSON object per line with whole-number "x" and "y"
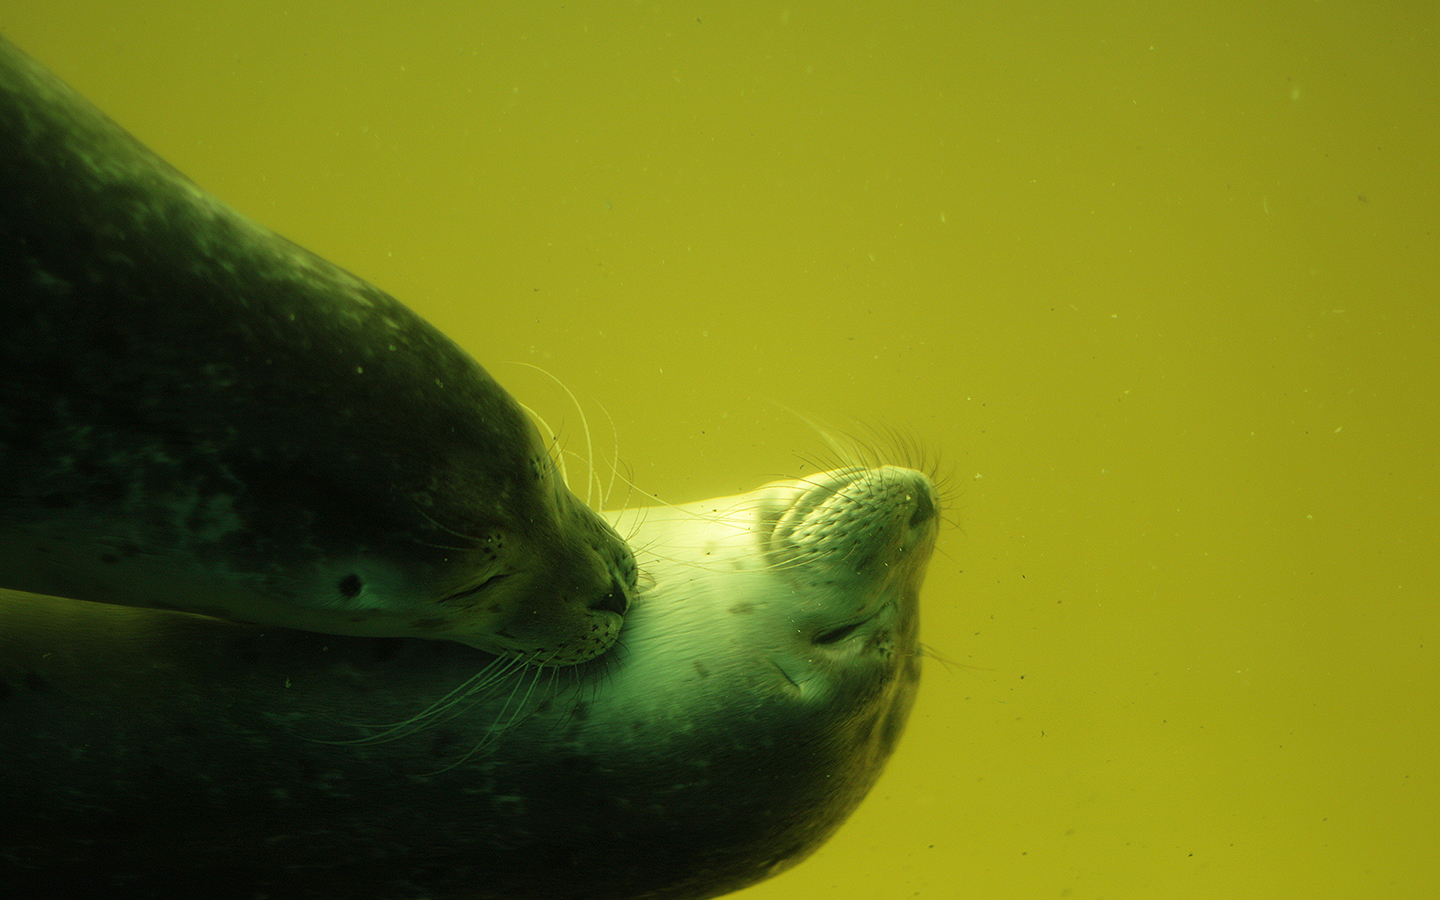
{"x": 835, "y": 635}
{"x": 350, "y": 586}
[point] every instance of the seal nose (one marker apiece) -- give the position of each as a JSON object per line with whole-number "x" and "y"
{"x": 924, "y": 509}
{"x": 615, "y": 600}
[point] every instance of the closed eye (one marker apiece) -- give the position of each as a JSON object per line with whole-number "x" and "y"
{"x": 484, "y": 585}
{"x": 836, "y": 634}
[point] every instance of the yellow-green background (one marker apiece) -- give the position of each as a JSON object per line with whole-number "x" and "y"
{"x": 1157, "y": 283}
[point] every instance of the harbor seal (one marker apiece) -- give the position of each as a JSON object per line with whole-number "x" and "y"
{"x": 760, "y": 682}
{"x": 197, "y": 414}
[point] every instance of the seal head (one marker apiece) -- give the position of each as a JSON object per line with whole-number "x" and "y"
{"x": 196, "y": 414}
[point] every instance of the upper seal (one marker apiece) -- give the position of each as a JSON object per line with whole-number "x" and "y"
{"x": 197, "y": 414}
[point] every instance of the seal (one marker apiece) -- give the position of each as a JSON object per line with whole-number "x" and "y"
{"x": 197, "y": 414}
{"x": 760, "y": 682}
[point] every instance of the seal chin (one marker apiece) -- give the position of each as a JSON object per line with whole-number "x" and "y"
{"x": 531, "y": 641}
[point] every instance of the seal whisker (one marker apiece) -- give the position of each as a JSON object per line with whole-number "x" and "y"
{"x": 244, "y": 413}
{"x": 609, "y": 488}
{"x": 436, "y": 546}
{"x": 552, "y": 446}
{"x": 584, "y": 427}
{"x": 439, "y": 710}
{"x": 890, "y": 446}
{"x": 630, "y": 489}
{"x": 237, "y": 412}
{"x": 526, "y": 681}
{"x": 472, "y": 539}
{"x": 592, "y": 480}
{"x": 649, "y": 498}
{"x": 713, "y": 677}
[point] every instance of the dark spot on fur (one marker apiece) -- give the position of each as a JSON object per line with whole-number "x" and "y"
{"x": 429, "y": 623}
{"x": 507, "y": 807}
{"x": 308, "y": 772}
{"x": 445, "y": 742}
{"x": 109, "y": 559}
{"x": 581, "y": 712}
{"x": 350, "y": 586}
{"x": 385, "y": 649}
{"x": 245, "y": 650}
{"x": 890, "y": 728}
{"x": 581, "y": 764}
{"x": 740, "y": 609}
{"x": 700, "y": 669}
{"x": 35, "y": 683}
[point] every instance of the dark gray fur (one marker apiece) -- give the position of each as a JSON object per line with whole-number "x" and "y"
{"x": 178, "y": 382}
{"x": 749, "y": 705}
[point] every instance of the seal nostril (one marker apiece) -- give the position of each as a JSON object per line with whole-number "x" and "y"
{"x": 614, "y": 600}
{"x": 924, "y": 510}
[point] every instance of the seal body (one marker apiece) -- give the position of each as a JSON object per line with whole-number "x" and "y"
{"x": 760, "y": 682}
{"x": 197, "y": 414}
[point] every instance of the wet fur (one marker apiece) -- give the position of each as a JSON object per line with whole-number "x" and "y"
{"x": 148, "y": 752}
{"x": 197, "y": 414}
